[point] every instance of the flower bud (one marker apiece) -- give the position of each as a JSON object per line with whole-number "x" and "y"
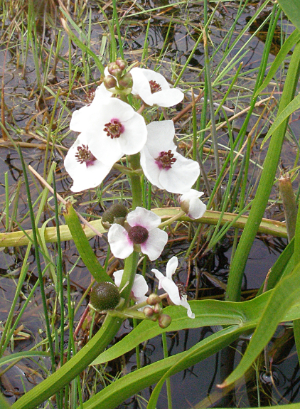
{"x": 153, "y": 299}
{"x": 117, "y": 68}
{"x": 164, "y": 320}
{"x": 157, "y": 308}
{"x": 105, "y": 296}
{"x": 110, "y": 82}
{"x": 148, "y": 311}
{"x": 126, "y": 81}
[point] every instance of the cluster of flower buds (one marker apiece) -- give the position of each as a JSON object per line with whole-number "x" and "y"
{"x": 153, "y": 311}
{"x": 117, "y": 80}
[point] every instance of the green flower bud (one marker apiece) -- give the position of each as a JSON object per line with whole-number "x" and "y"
{"x": 126, "y": 81}
{"x": 105, "y": 296}
{"x": 110, "y": 82}
{"x": 153, "y": 299}
{"x": 157, "y": 308}
{"x": 164, "y": 320}
{"x": 148, "y": 311}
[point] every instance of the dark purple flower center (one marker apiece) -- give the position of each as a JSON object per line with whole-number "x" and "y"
{"x": 154, "y": 86}
{"x": 138, "y": 234}
{"x": 84, "y": 155}
{"x": 114, "y": 128}
{"x": 165, "y": 160}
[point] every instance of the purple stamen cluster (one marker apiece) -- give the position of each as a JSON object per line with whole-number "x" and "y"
{"x": 138, "y": 234}
{"x": 114, "y": 128}
{"x": 165, "y": 160}
{"x": 84, "y": 155}
{"x": 154, "y": 86}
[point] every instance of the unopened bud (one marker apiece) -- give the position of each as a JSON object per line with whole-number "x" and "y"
{"x": 153, "y": 299}
{"x": 157, "y": 308}
{"x": 148, "y": 311}
{"x": 110, "y": 82}
{"x": 164, "y": 320}
{"x": 126, "y": 81}
{"x": 121, "y": 63}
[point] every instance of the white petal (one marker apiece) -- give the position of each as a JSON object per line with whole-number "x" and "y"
{"x": 171, "y": 288}
{"x": 166, "y": 98}
{"x": 157, "y": 77}
{"x": 159, "y": 276}
{"x": 120, "y": 244}
{"x": 105, "y": 149}
{"x": 118, "y": 277}
{"x": 186, "y": 305}
{"x": 172, "y": 264}
{"x": 181, "y": 176}
{"x": 134, "y": 137}
{"x": 191, "y": 194}
{"x": 143, "y": 217}
{"x": 140, "y": 286}
{"x": 101, "y": 93}
{"x": 150, "y": 167}
{"x": 141, "y": 85}
{"x": 160, "y": 137}
{"x": 155, "y": 243}
{"x": 197, "y": 209}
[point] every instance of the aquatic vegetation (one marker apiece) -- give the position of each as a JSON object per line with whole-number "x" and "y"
{"x": 125, "y": 137}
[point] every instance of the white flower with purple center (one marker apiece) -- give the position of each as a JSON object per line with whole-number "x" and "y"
{"x": 139, "y": 287}
{"x": 192, "y": 205}
{"x": 154, "y": 89}
{"x": 176, "y": 294}
{"x": 142, "y": 234}
{"x": 112, "y": 128}
{"x": 163, "y": 166}
{"x": 86, "y": 171}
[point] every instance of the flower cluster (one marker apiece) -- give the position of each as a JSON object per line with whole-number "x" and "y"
{"x": 110, "y": 128}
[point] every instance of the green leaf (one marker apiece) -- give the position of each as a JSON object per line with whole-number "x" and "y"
{"x": 280, "y": 58}
{"x": 118, "y": 391}
{"x": 283, "y": 297}
{"x": 20, "y": 355}
{"x": 83, "y": 245}
{"x": 288, "y": 110}
{"x": 3, "y": 403}
{"x": 292, "y": 10}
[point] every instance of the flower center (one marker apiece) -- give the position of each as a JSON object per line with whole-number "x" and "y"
{"x": 84, "y": 155}
{"x": 181, "y": 289}
{"x": 114, "y": 128}
{"x": 165, "y": 160}
{"x": 154, "y": 86}
{"x": 138, "y": 234}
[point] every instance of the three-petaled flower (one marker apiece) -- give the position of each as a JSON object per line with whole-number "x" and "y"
{"x": 112, "y": 128}
{"x": 86, "y": 171}
{"x": 192, "y": 205}
{"x": 154, "y": 89}
{"x": 175, "y": 294}
{"x": 163, "y": 166}
{"x": 142, "y": 233}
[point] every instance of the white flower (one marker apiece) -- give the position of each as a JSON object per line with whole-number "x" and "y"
{"x": 192, "y": 205}
{"x": 85, "y": 170}
{"x": 143, "y": 231}
{"x": 170, "y": 287}
{"x": 163, "y": 166}
{"x": 139, "y": 287}
{"x": 154, "y": 89}
{"x": 112, "y": 127}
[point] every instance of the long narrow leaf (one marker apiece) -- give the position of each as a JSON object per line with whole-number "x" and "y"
{"x": 83, "y": 246}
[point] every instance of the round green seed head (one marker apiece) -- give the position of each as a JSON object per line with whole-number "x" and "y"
{"x": 105, "y": 296}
